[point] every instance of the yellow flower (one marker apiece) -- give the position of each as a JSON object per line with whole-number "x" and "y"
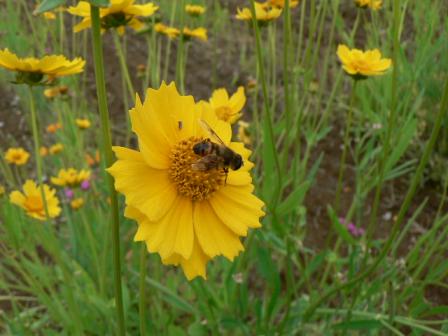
{"x": 32, "y": 70}
{"x": 55, "y": 91}
{"x": 82, "y": 123}
{"x": 199, "y": 33}
{"x": 2, "y": 190}
{"x": 17, "y": 156}
{"x": 43, "y": 151}
{"x": 262, "y": 13}
{"x": 228, "y": 109}
{"x": 49, "y": 16}
{"x": 195, "y": 10}
{"x": 56, "y": 148}
{"x": 70, "y": 177}
{"x": 171, "y": 32}
{"x": 119, "y": 14}
{"x": 372, "y": 4}
{"x": 77, "y": 203}
{"x": 281, "y": 3}
{"x": 186, "y": 215}
{"x": 243, "y": 134}
{"x": 360, "y": 64}
{"x": 31, "y": 200}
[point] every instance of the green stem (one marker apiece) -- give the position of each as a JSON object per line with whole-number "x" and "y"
{"x": 36, "y": 141}
{"x": 403, "y": 210}
{"x": 108, "y": 155}
{"x": 142, "y": 285}
{"x": 124, "y": 67}
{"x": 267, "y": 116}
{"x": 348, "y": 126}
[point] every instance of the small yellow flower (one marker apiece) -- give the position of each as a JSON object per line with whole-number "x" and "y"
{"x": 199, "y": 33}
{"x": 187, "y": 216}
{"x": 49, "y": 16}
{"x": 281, "y": 3}
{"x": 262, "y": 13}
{"x": 70, "y": 177}
{"x": 372, "y": 4}
{"x": 31, "y": 200}
{"x": 82, "y": 123}
{"x": 228, "y": 109}
{"x": 53, "y": 92}
{"x": 32, "y": 70}
{"x": 56, "y": 148}
{"x": 243, "y": 134}
{"x": 118, "y": 15}
{"x": 52, "y": 128}
{"x": 361, "y": 64}
{"x": 2, "y": 190}
{"x": 171, "y": 32}
{"x": 195, "y": 10}
{"x": 43, "y": 151}
{"x": 17, "y": 156}
{"x": 77, "y": 203}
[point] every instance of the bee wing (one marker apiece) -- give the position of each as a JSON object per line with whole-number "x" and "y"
{"x": 207, "y": 162}
{"x": 209, "y": 130}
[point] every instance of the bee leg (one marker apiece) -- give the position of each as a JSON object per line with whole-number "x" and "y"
{"x": 226, "y": 171}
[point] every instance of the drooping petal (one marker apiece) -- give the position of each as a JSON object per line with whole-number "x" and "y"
{"x": 213, "y": 235}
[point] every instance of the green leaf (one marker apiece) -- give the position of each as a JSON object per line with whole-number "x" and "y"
{"x": 340, "y": 229}
{"x": 100, "y": 3}
{"x": 294, "y": 199}
{"x": 358, "y": 325}
{"x": 48, "y": 5}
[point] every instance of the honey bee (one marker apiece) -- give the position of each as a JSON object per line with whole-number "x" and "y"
{"x": 215, "y": 155}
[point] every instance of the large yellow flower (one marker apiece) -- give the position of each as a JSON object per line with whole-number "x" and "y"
{"x": 31, "y": 200}
{"x": 228, "y": 109}
{"x": 372, "y": 4}
{"x": 262, "y": 13}
{"x": 185, "y": 215}
{"x": 32, "y": 70}
{"x": 70, "y": 177}
{"x": 361, "y": 64}
{"x": 17, "y": 156}
{"x": 119, "y": 14}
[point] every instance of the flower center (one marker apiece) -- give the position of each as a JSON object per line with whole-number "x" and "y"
{"x": 224, "y": 113}
{"x": 34, "y": 204}
{"x": 198, "y": 185}
{"x": 115, "y": 20}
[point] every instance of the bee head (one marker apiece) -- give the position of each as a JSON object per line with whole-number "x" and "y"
{"x": 236, "y": 162}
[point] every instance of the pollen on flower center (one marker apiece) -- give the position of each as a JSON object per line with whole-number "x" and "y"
{"x": 34, "y": 204}
{"x": 195, "y": 184}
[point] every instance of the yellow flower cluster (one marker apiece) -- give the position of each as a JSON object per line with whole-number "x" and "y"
{"x": 70, "y": 177}
{"x": 195, "y": 10}
{"x": 262, "y": 13}
{"x": 172, "y": 32}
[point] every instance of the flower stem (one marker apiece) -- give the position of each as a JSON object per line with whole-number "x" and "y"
{"x": 267, "y": 115}
{"x": 107, "y": 144}
{"x": 348, "y": 126}
{"x": 142, "y": 285}
{"x": 36, "y": 141}
{"x": 124, "y": 67}
{"x": 441, "y": 115}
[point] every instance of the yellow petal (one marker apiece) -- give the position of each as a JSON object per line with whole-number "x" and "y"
{"x": 213, "y": 235}
{"x": 238, "y": 100}
{"x": 17, "y": 198}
